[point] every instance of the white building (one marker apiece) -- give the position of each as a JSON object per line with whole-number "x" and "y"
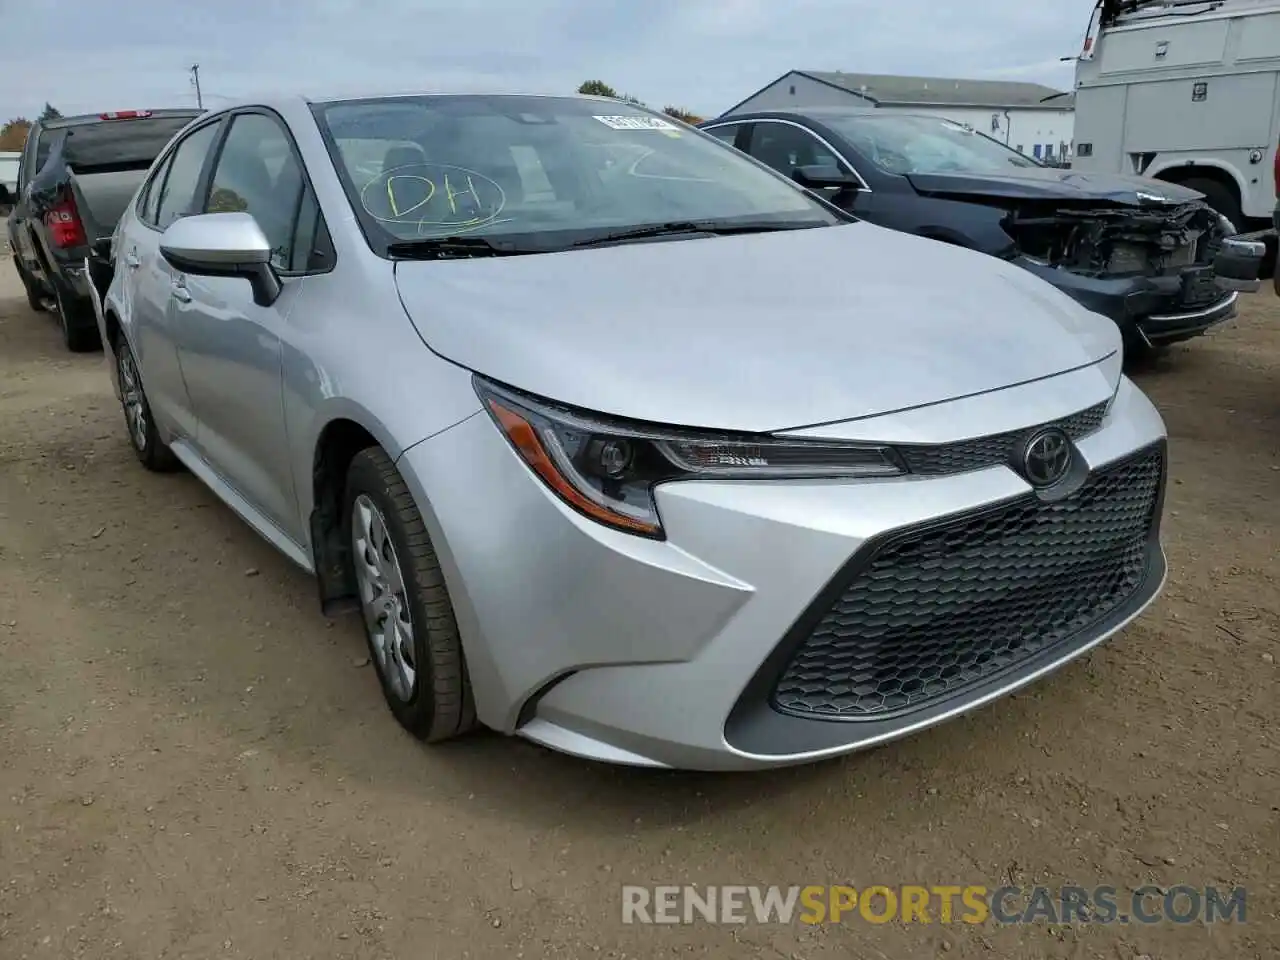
{"x": 9, "y": 171}
{"x": 1033, "y": 119}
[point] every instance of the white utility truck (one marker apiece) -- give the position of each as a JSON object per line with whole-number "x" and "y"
{"x": 1186, "y": 91}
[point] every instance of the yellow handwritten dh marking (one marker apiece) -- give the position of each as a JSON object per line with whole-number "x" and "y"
{"x": 453, "y": 224}
{"x": 391, "y": 193}
{"x": 454, "y": 194}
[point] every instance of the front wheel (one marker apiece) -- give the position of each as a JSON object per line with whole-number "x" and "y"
{"x": 408, "y": 617}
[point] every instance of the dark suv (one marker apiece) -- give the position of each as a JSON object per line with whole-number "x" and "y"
{"x": 75, "y": 178}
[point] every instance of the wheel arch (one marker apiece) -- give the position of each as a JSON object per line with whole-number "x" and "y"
{"x": 344, "y": 429}
{"x": 1223, "y": 173}
{"x": 336, "y": 445}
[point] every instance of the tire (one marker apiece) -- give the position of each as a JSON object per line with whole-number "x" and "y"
{"x": 1219, "y": 196}
{"x": 437, "y": 704}
{"x": 79, "y": 326}
{"x": 152, "y": 452}
{"x": 33, "y": 295}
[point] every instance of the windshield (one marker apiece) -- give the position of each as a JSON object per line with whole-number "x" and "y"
{"x": 904, "y": 144}
{"x": 541, "y": 172}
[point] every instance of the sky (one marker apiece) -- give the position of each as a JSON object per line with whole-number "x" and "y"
{"x": 702, "y": 55}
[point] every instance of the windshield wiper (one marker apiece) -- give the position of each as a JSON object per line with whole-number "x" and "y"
{"x": 683, "y": 227}
{"x": 444, "y": 248}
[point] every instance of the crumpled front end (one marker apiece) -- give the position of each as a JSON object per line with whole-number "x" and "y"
{"x": 1164, "y": 273}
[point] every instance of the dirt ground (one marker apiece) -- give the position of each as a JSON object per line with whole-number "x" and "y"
{"x": 195, "y": 763}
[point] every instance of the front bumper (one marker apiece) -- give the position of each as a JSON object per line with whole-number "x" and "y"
{"x": 1158, "y": 310}
{"x": 628, "y": 650}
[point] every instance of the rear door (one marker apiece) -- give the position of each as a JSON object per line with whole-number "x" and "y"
{"x": 171, "y": 193}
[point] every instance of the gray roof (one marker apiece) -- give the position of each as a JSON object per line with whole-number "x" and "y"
{"x": 942, "y": 91}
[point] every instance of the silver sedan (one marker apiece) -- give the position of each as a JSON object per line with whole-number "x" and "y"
{"x": 620, "y": 441}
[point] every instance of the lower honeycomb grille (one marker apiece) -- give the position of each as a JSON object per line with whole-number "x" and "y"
{"x": 936, "y": 610}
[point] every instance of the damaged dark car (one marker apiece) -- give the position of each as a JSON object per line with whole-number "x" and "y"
{"x": 1152, "y": 256}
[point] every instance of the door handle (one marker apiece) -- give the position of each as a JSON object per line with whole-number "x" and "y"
{"x": 132, "y": 262}
{"x": 181, "y": 293}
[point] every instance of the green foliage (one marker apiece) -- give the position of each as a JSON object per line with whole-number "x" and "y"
{"x": 13, "y": 135}
{"x": 679, "y": 113}
{"x": 598, "y": 88}
{"x": 50, "y": 112}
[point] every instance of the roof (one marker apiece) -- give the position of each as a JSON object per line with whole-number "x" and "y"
{"x": 387, "y": 93}
{"x": 887, "y": 90}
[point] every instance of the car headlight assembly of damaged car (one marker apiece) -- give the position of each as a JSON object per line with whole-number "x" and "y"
{"x": 607, "y": 469}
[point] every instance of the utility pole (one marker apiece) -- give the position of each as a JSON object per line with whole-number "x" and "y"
{"x": 195, "y": 79}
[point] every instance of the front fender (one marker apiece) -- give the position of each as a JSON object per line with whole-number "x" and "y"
{"x": 392, "y": 436}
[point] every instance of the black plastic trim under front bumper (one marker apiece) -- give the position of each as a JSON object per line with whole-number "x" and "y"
{"x": 1135, "y": 302}
{"x": 754, "y": 726}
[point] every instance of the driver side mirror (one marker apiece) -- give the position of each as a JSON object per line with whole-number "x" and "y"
{"x": 823, "y": 176}
{"x": 223, "y": 245}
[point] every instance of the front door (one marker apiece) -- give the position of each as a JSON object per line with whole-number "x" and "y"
{"x": 230, "y": 347}
{"x": 785, "y": 145}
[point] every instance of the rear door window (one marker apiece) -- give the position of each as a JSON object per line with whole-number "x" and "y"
{"x": 151, "y": 192}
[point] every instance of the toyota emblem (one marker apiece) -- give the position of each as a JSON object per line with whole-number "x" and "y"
{"x": 1047, "y": 457}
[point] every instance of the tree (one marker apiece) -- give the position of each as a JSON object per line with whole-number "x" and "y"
{"x": 13, "y": 135}
{"x": 598, "y": 88}
{"x": 50, "y": 112}
{"x": 681, "y": 114}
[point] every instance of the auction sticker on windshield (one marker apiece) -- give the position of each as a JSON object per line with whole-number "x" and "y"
{"x": 637, "y": 123}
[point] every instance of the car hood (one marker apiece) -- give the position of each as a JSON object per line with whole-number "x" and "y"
{"x": 1046, "y": 183}
{"x": 761, "y": 332}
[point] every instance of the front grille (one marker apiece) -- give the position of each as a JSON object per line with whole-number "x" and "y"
{"x": 965, "y": 455}
{"x": 933, "y": 611}
{"x": 1133, "y": 257}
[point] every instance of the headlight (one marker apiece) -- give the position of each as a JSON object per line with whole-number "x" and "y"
{"x": 607, "y": 469}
